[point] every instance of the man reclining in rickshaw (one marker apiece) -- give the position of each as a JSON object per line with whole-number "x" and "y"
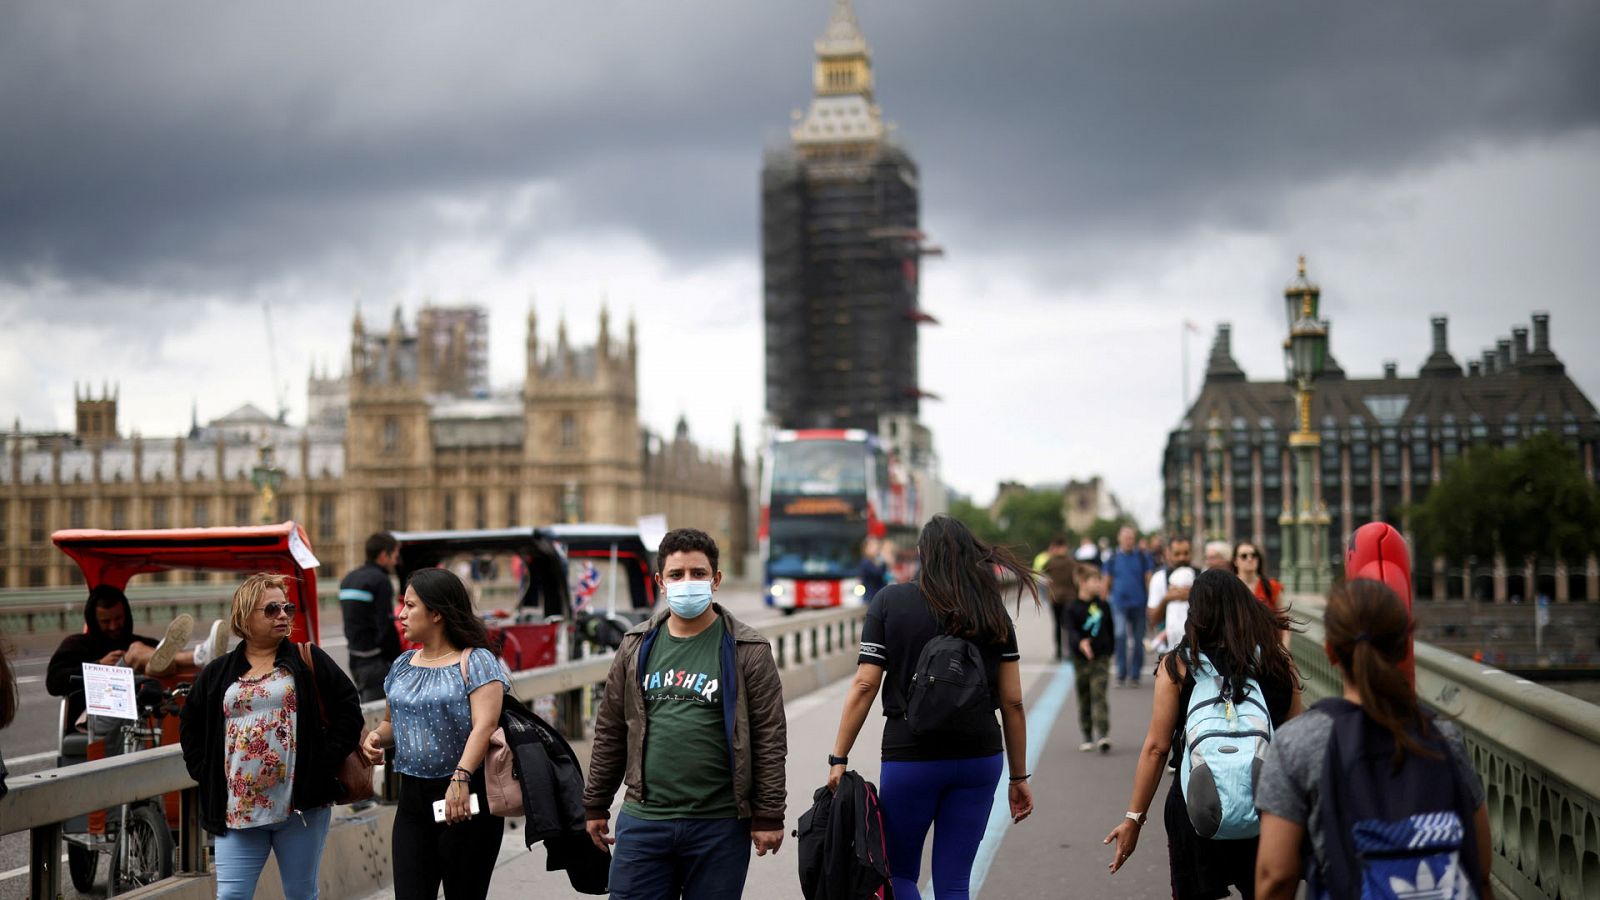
{"x": 108, "y": 640}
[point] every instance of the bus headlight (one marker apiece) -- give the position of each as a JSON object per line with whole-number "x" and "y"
{"x": 776, "y": 590}
{"x": 861, "y": 590}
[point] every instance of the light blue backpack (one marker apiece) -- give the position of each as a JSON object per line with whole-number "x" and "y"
{"x": 1225, "y": 741}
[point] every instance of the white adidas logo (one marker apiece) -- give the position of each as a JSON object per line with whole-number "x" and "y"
{"x": 1451, "y": 885}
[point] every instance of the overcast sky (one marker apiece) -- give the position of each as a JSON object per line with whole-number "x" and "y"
{"x": 1098, "y": 172}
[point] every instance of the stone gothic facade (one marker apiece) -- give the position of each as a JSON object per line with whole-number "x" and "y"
{"x": 408, "y": 439}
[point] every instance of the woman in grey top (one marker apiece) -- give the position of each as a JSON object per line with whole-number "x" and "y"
{"x": 1367, "y": 632}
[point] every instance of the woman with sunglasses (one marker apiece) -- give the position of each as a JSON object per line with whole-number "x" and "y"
{"x": 253, "y": 738}
{"x": 1250, "y": 564}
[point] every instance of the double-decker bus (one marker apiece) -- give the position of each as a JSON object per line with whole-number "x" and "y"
{"x": 823, "y": 492}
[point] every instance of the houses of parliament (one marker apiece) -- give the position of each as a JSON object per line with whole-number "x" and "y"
{"x": 410, "y": 437}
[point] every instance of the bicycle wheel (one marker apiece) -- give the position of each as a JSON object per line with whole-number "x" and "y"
{"x": 82, "y": 865}
{"x": 149, "y": 850}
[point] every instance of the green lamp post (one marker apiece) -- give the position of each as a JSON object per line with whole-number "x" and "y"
{"x": 267, "y": 478}
{"x": 1216, "y": 528}
{"x": 1306, "y": 352}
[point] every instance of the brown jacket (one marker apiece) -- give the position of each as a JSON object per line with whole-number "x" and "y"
{"x": 1061, "y": 572}
{"x": 756, "y": 727}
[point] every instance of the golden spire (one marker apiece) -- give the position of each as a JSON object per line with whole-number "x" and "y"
{"x": 842, "y": 112}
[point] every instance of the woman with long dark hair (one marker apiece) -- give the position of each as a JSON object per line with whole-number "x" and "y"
{"x": 444, "y": 702}
{"x": 1250, "y": 564}
{"x": 1241, "y": 640}
{"x": 942, "y": 780}
{"x": 1367, "y": 633}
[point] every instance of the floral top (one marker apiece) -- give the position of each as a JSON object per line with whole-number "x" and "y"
{"x": 260, "y": 748}
{"x": 432, "y": 713}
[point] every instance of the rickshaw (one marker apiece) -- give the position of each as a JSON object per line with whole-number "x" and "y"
{"x": 139, "y": 836}
{"x": 594, "y": 578}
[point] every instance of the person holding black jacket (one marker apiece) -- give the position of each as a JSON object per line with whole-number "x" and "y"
{"x": 942, "y": 780}
{"x": 266, "y": 765}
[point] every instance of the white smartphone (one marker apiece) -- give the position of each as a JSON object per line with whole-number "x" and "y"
{"x": 438, "y": 807}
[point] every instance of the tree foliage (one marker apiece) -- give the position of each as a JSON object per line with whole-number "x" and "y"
{"x": 1025, "y": 523}
{"x": 976, "y": 518}
{"x": 1531, "y": 500}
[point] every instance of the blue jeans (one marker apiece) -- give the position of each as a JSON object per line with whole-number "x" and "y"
{"x": 297, "y": 841}
{"x": 671, "y": 858}
{"x": 952, "y": 796}
{"x": 1130, "y": 622}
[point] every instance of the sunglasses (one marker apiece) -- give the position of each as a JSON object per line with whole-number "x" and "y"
{"x": 1249, "y": 554}
{"x": 273, "y": 609}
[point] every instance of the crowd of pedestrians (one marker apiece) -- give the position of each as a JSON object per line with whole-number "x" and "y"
{"x": 691, "y": 723}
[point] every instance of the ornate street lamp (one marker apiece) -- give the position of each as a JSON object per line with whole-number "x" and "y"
{"x": 267, "y": 478}
{"x": 1216, "y": 529}
{"x": 1306, "y": 351}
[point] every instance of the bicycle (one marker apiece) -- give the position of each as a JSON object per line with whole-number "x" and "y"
{"x": 137, "y": 835}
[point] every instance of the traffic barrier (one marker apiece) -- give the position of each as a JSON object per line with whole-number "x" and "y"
{"x": 812, "y": 649}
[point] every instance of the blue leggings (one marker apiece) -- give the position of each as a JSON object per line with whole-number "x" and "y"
{"x": 953, "y": 796}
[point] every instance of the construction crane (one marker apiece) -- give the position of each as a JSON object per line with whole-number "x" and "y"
{"x": 280, "y": 395}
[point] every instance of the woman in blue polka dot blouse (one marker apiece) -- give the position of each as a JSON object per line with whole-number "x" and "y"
{"x": 444, "y": 701}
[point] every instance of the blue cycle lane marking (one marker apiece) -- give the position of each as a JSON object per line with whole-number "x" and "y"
{"x": 1041, "y": 721}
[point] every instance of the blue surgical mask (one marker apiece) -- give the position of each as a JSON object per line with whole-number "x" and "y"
{"x": 688, "y": 598}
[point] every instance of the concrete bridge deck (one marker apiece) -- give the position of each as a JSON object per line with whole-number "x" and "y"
{"x": 1055, "y": 853}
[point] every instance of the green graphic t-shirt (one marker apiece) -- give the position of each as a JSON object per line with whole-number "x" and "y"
{"x": 685, "y": 747}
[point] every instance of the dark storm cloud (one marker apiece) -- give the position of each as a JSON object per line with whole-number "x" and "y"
{"x": 196, "y": 147}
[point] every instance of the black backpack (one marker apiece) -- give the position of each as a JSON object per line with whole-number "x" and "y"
{"x": 841, "y": 844}
{"x": 949, "y": 691}
{"x": 1388, "y": 833}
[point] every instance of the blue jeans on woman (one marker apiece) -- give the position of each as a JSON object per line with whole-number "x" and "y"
{"x": 954, "y": 797}
{"x": 242, "y": 852}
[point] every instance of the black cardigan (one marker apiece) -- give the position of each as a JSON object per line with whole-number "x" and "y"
{"x": 318, "y": 751}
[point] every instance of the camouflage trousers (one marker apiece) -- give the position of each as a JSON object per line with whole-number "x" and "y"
{"x": 1094, "y": 707}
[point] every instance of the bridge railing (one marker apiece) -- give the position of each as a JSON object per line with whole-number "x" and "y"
{"x": 1537, "y": 750}
{"x": 812, "y": 649}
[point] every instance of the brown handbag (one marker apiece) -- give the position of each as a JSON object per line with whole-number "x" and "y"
{"x": 355, "y": 772}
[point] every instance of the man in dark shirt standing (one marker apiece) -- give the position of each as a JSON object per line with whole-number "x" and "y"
{"x": 366, "y": 597}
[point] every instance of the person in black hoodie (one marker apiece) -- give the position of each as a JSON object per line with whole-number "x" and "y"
{"x": 254, "y": 740}
{"x": 108, "y": 640}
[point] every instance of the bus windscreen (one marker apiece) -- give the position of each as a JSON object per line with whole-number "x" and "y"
{"x": 823, "y": 548}
{"x": 817, "y": 468}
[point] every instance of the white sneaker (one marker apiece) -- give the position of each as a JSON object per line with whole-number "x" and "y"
{"x": 214, "y": 646}
{"x": 1105, "y": 745}
{"x": 172, "y": 643}
{"x": 1086, "y": 746}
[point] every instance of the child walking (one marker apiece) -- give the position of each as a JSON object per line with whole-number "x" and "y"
{"x": 1089, "y": 630}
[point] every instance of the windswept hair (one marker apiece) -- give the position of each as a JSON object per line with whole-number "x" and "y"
{"x": 959, "y": 580}
{"x": 1237, "y": 632}
{"x": 1368, "y": 630}
{"x": 442, "y": 591}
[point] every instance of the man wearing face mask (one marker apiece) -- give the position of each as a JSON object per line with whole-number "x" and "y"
{"x": 692, "y": 721}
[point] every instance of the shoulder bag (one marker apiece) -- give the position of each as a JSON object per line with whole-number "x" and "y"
{"x": 355, "y": 772}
